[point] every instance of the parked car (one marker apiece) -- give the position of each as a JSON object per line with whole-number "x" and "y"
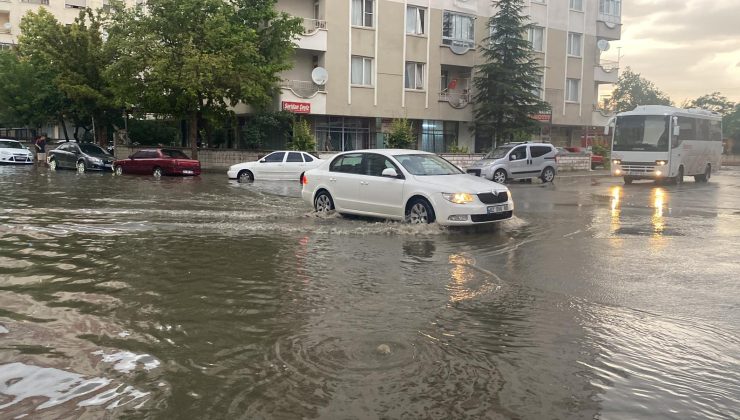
{"x": 276, "y": 165}
{"x": 80, "y": 156}
{"x": 157, "y": 162}
{"x": 14, "y": 153}
{"x": 518, "y": 161}
{"x": 596, "y": 160}
{"x": 411, "y": 185}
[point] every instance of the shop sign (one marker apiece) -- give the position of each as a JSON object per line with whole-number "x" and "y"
{"x": 541, "y": 117}
{"x": 297, "y": 107}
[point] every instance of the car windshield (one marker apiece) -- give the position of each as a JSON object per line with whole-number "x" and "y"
{"x": 424, "y": 164}
{"x": 498, "y": 152}
{"x": 4, "y": 144}
{"x": 174, "y": 154}
{"x": 91, "y": 149}
{"x": 641, "y": 132}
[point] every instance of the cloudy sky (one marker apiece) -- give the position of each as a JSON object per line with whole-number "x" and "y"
{"x": 686, "y": 47}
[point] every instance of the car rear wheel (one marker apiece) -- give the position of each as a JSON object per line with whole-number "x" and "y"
{"x": 548, "y": 175}
{"x": 53, "y": 164}
{"x": 420, "y": 212}
{"x": 118, "y": 170}
{"x": 323, "y": 203}
{"x": 81, "y": 166}
{"x": 245, "y": 176}
{"x": 157, "y": 172}
{"x": 499, "y": 176}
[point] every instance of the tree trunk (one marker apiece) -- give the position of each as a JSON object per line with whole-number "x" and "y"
{"x": 193, "y": 134}
{"x": 64, "y": 127}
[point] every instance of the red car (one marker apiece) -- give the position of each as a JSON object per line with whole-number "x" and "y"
{"x": 157, "y": 162}
{"x": 596, "y": 160}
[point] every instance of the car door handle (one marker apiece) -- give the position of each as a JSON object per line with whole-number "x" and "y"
{"x": 332, "y": 180}
{"x": 363, "y": 183}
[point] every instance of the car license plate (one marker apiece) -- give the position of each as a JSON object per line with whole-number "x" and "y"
{"x": 187, "y": 172}
{"x": 498, "y": 209}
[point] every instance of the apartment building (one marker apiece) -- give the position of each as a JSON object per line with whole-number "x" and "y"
{"x": 386, "y": 59}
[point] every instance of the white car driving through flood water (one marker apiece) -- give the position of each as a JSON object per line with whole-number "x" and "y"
{"x": 411, "y": 185}
{"x": 279, "y": 165}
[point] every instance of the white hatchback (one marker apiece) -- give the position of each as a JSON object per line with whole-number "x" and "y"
{"x": 13, "y": 152}
{"x": 410, "y": 185}
{"x": 277, "y": 165}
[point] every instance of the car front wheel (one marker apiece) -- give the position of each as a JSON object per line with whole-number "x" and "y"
{"x": 53, "y": 164}
{"x": 81, "y": 166}
{"x": 245, "y": 176}
{"x": 420, "y": 212}
{"x": 157, "y": 172}
{"x": 118, "y": 170}
{"x": 323, "y": 203}
{"x": 499, "y": 176}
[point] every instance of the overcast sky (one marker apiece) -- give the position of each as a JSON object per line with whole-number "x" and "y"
{"x": 686, "y": 47}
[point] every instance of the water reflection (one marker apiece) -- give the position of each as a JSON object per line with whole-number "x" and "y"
{"x": 657, "y": 219}
{"x": 616, "y": 196}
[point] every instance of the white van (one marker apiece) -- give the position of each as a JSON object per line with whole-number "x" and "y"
{"x": 518, "y": 161}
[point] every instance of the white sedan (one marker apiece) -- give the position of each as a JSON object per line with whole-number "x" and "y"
{"x": 13, "y": 152}
{"x": 410, "y": 185}
{"x": 277, "y": 165}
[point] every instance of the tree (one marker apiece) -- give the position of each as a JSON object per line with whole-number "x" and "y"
{"x": 507, "y": 82}
{"x": 714, "y": 101}
{"x": 302, "y": 138}
{"x": 401, "y": 135}
{"x": 633, "y": 90}
{"x": 28, "y": 96}
{"x": 731, "y": 124}
{"x": 185, "y": 58}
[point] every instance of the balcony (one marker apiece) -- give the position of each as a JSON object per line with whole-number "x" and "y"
{"x": 457, "y": 99}
{"x": 303, "y": 97}
{"x": 314, "y": 36}
{"x": 607, "y": 72}
{"x": 45, "y": 2}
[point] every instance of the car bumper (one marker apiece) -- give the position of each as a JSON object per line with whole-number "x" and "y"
{"x": 184, "y": 171}
{"x": 450, "y": 214}
{"x": 16, "y": 161}
{"x": 232, "y": 173}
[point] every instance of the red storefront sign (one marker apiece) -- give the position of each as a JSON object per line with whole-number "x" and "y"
{"x": 541, "y": 117}
{"x": 297, "y": 107}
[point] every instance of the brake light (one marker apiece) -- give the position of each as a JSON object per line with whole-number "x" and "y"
{"x": 304, "y": 180}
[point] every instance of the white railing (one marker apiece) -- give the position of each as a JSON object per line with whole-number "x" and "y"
{"x": 75, "y": 4}
{"x": 46, "y": 2}
{"x": 609, "y": 65}
{"x": 311, "y": 26}
{"x": 303, "y": 88}
{"x": 456, "y": 99}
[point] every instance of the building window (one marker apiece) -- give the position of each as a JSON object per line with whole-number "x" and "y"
{"x": 574, "y": 44}
{"x": 362, "y": 13}
{"x": 458, "y": 30}
{"x": 576, "y": 5}
{"x": 438, "y": 136}
{"x": 611, "y": 8}
{"x": 362, "y": 71}
{"x": 573, "y": 90}
{"x": 414, "y": 76}
{"x": 336, "y": 134}
{"x": 540, "y": 1}
{"x": 536, "y": 35}
{"x": 415, "y": 20}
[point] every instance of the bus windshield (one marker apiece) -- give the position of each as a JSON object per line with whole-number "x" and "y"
{"x": 641, "y": 133}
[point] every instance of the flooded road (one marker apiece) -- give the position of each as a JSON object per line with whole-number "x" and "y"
{"x": 205, "y": 298}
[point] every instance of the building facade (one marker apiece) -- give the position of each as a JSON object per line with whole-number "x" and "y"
{"x": 415, "y": 59}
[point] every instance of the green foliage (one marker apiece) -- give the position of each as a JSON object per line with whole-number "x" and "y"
{"x": 187, "y": 57}
{"x": 267, "y": 131}
{"x": 714, "y": 102}
{"x": 506, "y": 82}
{"x": 302, "y": 138}
{"x": 633, "y": 90}
{"x": 455, "y": 148}
{"x": 401, "y": 135}
{"x": 28, "y": 96}
{"x": 601, "y": 150}
{"x": 152, "y": 132}
{"x": 731, "y": 125}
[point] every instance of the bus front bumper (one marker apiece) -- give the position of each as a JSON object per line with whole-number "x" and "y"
{"x": 640, "y": 171}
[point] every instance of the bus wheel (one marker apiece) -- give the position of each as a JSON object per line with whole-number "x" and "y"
{"x": 679, "y": 178}
{"x": 627, "y": 180}
{"x": 705, "y": 176}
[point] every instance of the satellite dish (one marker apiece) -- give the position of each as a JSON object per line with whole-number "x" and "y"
{"x": 320, "y": 76}
{"x": 603, "y": 45}
{"x": 7, "y": 25}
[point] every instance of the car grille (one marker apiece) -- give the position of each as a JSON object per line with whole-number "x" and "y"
{"x": 638, "y": 168}
{"x": 490, "y": 198}
{"x": 480, "y": 218}
{"x": 21, "y": 158}
{"x": 475, "y": 172}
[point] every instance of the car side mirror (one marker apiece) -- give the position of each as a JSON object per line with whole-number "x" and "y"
{"x": 512, "y": 157}
{"x": 262, "y": 161}
{"x": 390, "y": 172}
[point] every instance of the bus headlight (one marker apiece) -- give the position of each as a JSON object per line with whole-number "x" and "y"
{"x": 661, "y": 162}
{"x": 617, "y": 161}
{"x": 658, "y": 173}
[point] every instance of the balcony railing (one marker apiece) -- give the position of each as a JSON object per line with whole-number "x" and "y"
{"x": 456, "y": 99}
{"x": 303, "y": 88}
{"x": 610, "y": 11}
{"x": 46, "y": 2}
{"x": 609, "y": 65}
{"x": 311, "y": 26}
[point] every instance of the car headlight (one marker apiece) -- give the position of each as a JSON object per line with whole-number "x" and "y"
{"x": 458, "y": 198}
{"x": 96, "y": 161}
